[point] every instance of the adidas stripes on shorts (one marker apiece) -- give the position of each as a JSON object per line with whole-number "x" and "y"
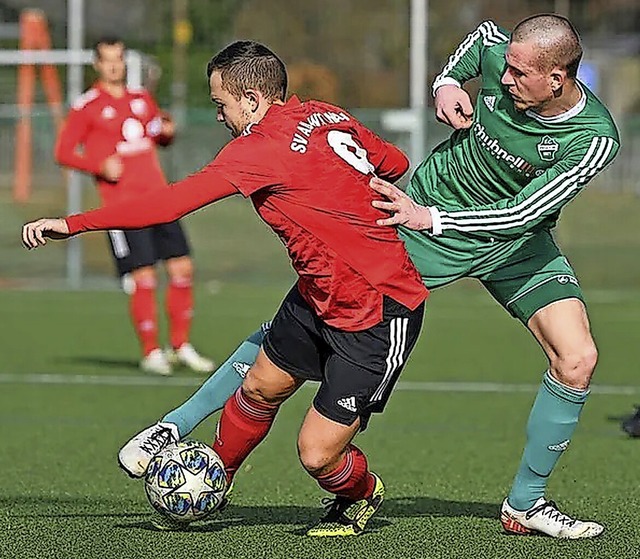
{"x": 357, "y": 371}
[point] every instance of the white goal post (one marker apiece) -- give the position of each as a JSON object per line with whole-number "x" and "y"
{"x": 63, "y": 57}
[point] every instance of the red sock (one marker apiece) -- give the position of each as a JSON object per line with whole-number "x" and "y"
{"x": 242, "y": 425}
{"x": 352, "y": 478}
{"x": 142, "y": 307}
{"x": 179, "y": 310}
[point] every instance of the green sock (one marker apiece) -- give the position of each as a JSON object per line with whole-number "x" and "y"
{"x": 219, "y": 387}
{"x": 552, "y": 421}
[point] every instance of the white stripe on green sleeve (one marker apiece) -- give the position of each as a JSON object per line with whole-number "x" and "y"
{"x": 464, "y": 63}
{"x": 541, "y": 198}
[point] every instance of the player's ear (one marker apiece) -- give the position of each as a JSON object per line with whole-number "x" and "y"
{"x": 253, "y": 98}
{"x": 558, "y": 78}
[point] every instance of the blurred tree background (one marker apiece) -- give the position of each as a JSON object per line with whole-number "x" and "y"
{"x": 352, "y": 52}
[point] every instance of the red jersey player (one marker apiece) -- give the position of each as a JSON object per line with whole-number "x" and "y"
{"x": 118, "y": 129}
{"x": 354, "y": 315}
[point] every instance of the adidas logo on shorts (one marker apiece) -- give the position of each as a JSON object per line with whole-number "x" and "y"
{"x": 348, "y": 403}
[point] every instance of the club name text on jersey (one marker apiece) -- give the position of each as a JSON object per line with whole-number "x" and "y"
{"x": 300, "y": 139}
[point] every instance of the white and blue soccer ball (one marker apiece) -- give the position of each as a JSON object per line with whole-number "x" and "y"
{"x": 186, "y": 481}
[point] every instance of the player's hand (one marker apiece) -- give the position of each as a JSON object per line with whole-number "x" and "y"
{"x": 36, "y": 233}
{"x": 453, "y": 106}
{"x": 168, "y": 127}
{"x": 111, "y": 168}
{"x": 167, "y": 130}
{"x": 403, "y": 210}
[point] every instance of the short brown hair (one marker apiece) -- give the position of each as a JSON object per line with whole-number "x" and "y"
{"x": 249, "y": 65}
{"x": 107, "y": 40}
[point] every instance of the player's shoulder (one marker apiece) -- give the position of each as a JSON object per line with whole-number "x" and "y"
{"x": 596, "y": 119}
{"x": 85, "y": 99}
{"x": 492, "y": 34}
{"x": 314, "y": 105}
{"x": 322, "y": 113}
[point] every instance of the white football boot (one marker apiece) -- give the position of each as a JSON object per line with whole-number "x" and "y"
{"x": 187, "y": 355}
{"x": 545, "y": 518}
{"x": 135, "y": 455}
{"x": 156, "y": 362}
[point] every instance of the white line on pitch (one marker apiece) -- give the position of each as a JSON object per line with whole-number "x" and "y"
{"x": 138, "y": 380}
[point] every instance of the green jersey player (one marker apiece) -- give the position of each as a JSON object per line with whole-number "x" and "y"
{"x": 482, "y": 205}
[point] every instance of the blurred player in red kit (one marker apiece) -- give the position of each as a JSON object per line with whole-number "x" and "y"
{"x": 111, "y": 132}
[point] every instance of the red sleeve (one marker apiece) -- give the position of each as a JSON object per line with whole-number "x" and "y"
{"x": 251, "y": 163}
{"x": 156, "y": 207}
{"x": 389, "y": 161}
{"x": 73, "y": 134}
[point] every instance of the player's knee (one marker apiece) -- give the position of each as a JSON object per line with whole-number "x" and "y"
{"x": 317, "y": 460}
{"x": 143, "y": 278}
{"x": 180, "y": 280}
{"x": 259, "y": 389}
{"x": 576, "y": 368}
{"x": 180, "y": 269}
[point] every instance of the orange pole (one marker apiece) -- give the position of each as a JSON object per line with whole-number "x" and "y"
{"x": 49, "y": 75}
{"x": 25, "y": 92}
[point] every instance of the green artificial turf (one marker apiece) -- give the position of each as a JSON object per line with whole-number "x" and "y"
{"x": 71, "y": 395}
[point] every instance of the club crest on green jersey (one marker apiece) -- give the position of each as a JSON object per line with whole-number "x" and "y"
{"x": 547, "y": 148}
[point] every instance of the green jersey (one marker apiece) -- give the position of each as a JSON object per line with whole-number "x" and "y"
{"x": 511, "y": 172}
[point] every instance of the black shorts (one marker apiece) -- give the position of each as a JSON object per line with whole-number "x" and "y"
{"x": 357, "y": 370}
{"x": 137, "y": 248}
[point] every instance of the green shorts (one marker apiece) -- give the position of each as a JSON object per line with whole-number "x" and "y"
{"x": 523, "y": 275}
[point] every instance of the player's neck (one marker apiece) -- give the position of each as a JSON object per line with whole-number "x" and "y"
{"x": 569, "y": 98}
{"x": 115, "y": 89}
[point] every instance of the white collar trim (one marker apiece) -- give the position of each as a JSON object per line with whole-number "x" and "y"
{"x": 573, "y": 111}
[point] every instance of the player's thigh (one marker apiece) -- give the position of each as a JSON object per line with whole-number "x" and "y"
{"x": 170, "y": 241}
{"x": 439, "y": 260}
{"x": 363, "y": 367}
{"x": 132, "y": 249}
{"x": 267, "y": 382}
{"x": 531, "y": 276}
{"x": 293, "y": 342}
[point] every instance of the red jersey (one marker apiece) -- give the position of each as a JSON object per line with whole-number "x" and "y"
{"x": 103, "y": 125}
{"x": 306, "y": 167}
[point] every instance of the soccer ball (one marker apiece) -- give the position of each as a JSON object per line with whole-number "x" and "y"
{"x": 186, "y": 481}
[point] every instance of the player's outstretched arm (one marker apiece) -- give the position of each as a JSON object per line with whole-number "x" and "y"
{"x": 37, "y": 232}
{"x": 404, "y": 211}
